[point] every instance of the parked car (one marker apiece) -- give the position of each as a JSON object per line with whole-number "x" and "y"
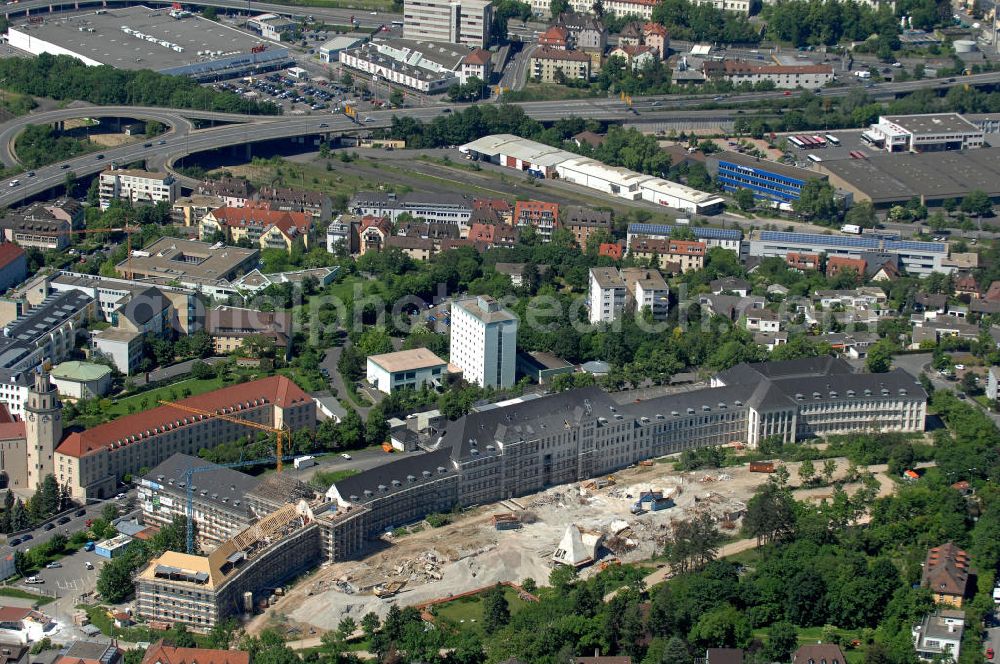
{"x": 15, "y": 541}
{"x": 81, "y": 512}
{"x": 63, "y": 520}
{"x": 48, "y": 526}
{"x": 27, "y": 536}
{"x": 120, "y": 496}
{"x": 53, "y": 565}
{"x": 89, "y": 565}
{"x": 346, "y": 456}
{"x": 33, "y": 580}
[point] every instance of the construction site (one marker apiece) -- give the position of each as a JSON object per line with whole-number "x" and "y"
{"x": 625, "y": 518}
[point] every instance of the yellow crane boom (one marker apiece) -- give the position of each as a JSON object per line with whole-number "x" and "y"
{"x": 279, "y": 433}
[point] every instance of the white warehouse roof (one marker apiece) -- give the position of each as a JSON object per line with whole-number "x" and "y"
{"x": 614, "y": 174}
{"x": 667, "y": 188}
{"x": 519, "y": 148}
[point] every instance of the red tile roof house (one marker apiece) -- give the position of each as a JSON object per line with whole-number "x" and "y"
{"x": 13, "y": 265}
{"x": 159, "y": 653}
{"x": 947, "y": 574}
{"x": 90, "y": 462}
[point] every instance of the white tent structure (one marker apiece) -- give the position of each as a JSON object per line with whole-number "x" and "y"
{"x": 577, "y": 547}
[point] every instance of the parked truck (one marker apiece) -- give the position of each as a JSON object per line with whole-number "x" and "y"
{"x": 304, "y": 461}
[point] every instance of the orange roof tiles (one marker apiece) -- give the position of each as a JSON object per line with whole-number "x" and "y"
{"x": 277, "y": 390}
{"x": 158, "y": 653}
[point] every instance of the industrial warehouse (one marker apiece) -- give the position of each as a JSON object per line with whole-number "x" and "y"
{"x": 544, "y": 161}
{"x": 166, "y": 41}
{"x": 549, "y": 440}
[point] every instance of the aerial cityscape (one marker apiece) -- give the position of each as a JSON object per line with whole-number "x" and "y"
{"x": 500, "y": 332}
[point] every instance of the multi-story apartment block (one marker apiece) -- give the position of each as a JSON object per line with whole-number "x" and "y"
{"x": 550, "y": 65}
{"x": 137, "y": 186}
{"x": 91, "y": 462}
{"x": 648, "y": 290}
{"x": 672, "y": 255}
{"x": 726, "y": 238}
{"x": 258, "y": 224}
{"x": 583, "y": 222}
{"x": 455, "y": 21}
{"x": 540, "y": 215}
{"x": 607, "y": 294}
{"x": 484, "y": 341}
{"x": 440, "y": 208}
{"x": 44, "y": 226}
{"x": 230, "y": 327}
{"x": 13, "y": 265}
{"x": 587, "y": 31}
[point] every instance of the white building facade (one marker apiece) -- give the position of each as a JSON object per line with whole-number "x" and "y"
{"x": 137, "y": 186}
{"x": 607, "y": 295}
{"x": 484, "y": 341}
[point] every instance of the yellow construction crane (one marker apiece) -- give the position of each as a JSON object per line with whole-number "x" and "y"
{"x": 279, "y": 433}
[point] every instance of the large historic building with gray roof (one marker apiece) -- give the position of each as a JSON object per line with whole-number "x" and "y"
{"x": 530, "y": 445}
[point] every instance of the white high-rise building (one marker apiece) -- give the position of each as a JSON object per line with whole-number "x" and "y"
{"x": 484, "y": 341}
{"x": 456, "y": 21}
{"x": 607, "y": 294}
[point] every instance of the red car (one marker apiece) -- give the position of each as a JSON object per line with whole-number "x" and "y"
{"x": 989, "y": 653}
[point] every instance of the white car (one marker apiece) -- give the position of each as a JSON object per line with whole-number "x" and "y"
{"x": 120, "y": 496}
{"x": 33, "y": 580}
{"x": 89, "y": 565}
{"x": 346, "y": 456}
{"x": 959, "y": 367}
{"x": 53, "y": 565}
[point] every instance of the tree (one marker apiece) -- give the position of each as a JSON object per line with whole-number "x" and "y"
{"x": 879, "y": 358}
{"x": 744, "y": 198}
{"x": 816, "y": 201}
{"x": 396, "y": 97}
{"x": 115, "y": 581}
{"x": 782, "y": 639}
{"x": 180, "y": 637}
{"x": 862, "y": 215}
{"x": 722, "y": 627}
{"x": 829, "y": 468}
{"x": 557, "y": 7}
{"x": 807, "y": 471}
{"x": 346, "y": 627}
{"x": 693, "y": 543}
{"x": 676, "y": 652}
{"x": 69, "y": 183}
{"x": 210, "y": 13}
{"x": 109, "y": 512}
{"x": 496, "y": 611}
{"x": 202, "y": 370}
{"x": 770, "y": 514}
{"x": 977, "y": 203}
{"x": 370, "y": 623}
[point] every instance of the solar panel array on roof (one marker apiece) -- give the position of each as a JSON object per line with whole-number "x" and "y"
{"x": 937, "y": 247}
{"x": 820, "y": 240}
{"x": 704, "y": 232}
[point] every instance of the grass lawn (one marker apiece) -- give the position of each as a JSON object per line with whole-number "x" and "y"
{"x": 99, "y": 618}
{"x": 41, "y": 600}
{"x": 548, "y": 92}
{"x": 467, "y": 612}
{"x": 173, "y": 392}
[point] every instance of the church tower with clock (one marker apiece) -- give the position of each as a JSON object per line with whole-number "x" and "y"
{"x": 43, "y": 429}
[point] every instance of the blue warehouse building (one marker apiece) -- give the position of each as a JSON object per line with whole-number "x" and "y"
{"x": 768, "y": 180}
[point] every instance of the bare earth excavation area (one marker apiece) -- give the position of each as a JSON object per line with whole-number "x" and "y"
{"x": 470, "y": 553}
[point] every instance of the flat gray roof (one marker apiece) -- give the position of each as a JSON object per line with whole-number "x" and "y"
{"x": 933, "y": 123}
{"x": 174, "y": 258}
{"x": 99, "y": 37}
{"x": 889, "y": 178}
